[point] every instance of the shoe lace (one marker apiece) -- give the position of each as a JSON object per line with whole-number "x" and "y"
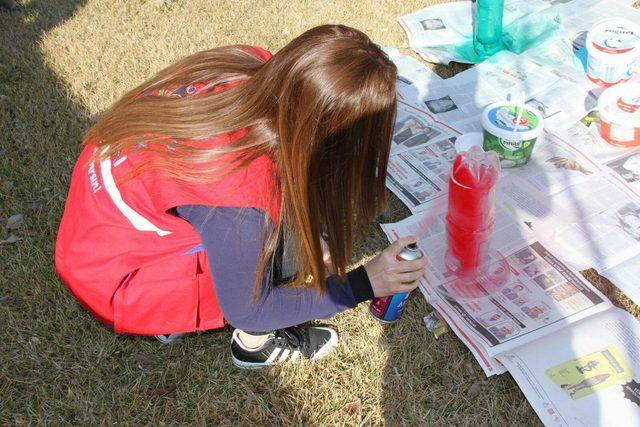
{"x": 296, "y": 338}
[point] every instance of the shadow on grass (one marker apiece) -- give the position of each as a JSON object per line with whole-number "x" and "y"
{"x": 58, "y": 364}
{"x": 434, "y": 382}
{"x": 40, "y": 127}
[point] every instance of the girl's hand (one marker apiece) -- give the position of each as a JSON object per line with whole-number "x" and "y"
{"x": 326, "y": 257}
{"x": 387, "y": 274}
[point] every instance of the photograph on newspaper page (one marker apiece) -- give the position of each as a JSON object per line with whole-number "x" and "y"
{"x": 421, "y": 157}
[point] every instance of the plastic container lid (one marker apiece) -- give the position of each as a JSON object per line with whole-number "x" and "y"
{"x": 499, "y": 119}
{"x": 467, "y": 140}
{"x": 614, "y": 39}
{"x": 620, "y": 104}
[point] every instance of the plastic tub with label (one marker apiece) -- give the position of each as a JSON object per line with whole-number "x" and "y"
{"x": 619, "y": 108}
{"x": 512, "y": 141}
{"x": 613, "y": 48}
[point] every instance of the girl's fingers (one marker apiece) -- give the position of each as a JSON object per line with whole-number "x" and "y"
{"x": 406, "y": 266}
{"x": 409, "y": 276}
{"x": 406, "y": 287}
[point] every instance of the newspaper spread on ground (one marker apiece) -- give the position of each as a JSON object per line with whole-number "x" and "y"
{"x": 412, "y": 76}
{"x": 525, "y": 292}
{"x": 434, "y": 32}
{"x": 570, "y": 164}
{"x": 594, "y": 224}
{"x": 421, "y": 155}
{"x": 574, "y": 355}
{"x": 443, "y": 33}
{"x": 583, "y": 375}
{"x": 575, "y": 205}
{"x": 626, "y": 272}
{"x": 460, "y": 99}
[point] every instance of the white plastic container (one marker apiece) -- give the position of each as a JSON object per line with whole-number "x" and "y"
{"x": 613, "y": 48}
{"x": 619, "y": 108}
{"x": 514, "y": 144}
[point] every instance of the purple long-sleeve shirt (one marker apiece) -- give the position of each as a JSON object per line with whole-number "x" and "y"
{"x": 231, "y": 238}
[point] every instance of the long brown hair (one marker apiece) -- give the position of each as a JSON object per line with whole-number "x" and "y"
{"x": 322, "y": 108}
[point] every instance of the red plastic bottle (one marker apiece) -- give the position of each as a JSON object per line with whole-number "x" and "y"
{"x": 471, "y": 210}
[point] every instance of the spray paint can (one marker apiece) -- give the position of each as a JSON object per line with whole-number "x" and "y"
{"x": 388, "y": 309}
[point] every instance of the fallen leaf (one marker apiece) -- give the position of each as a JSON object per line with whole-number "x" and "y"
{"x": 9, "y": 300}
{"x": 47, "y": 305}
{"x": 475, "y": 389}
{"x": 161, "y": 390}
{"x": 34, "y": 206}
{"x": 447, "y": 381}
{"x": 470, "y": 369}
{"x": 391, "y": 416}
{"x": 11, "y": 239}
{"x": 355, "y": 406}
{"x": 146, "y": 358}
{"x": 15, "y": 221}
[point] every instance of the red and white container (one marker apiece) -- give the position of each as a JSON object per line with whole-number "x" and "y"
{"x": 619, "y": 108}
{"x": 613, "y": 48}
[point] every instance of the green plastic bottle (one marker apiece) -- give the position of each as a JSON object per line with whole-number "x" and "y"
{"x": 487, "y": 32}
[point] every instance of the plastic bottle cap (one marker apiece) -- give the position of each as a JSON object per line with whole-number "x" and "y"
{"x": 465, "y": 141}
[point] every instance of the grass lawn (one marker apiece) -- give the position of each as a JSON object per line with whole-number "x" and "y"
{"x": 64, "y": 62}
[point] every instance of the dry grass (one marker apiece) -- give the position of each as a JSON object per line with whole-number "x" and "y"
{"x": 62, "y": 63}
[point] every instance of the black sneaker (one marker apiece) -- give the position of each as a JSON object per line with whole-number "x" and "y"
{"x": 285, "y": 346}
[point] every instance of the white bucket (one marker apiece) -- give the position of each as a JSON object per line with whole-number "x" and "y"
{"x": 613, "y": 49}
{"x": 619, "y": 108}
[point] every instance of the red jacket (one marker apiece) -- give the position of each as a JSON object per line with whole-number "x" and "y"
{"x": 129, "y": 261}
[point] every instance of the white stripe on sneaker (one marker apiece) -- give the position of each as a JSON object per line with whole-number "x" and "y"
{"x": 328, "y": 346}
{"x": 295, "y": 356}
{"x": 284, "y": 355}
{"x": 273, "y": 356}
